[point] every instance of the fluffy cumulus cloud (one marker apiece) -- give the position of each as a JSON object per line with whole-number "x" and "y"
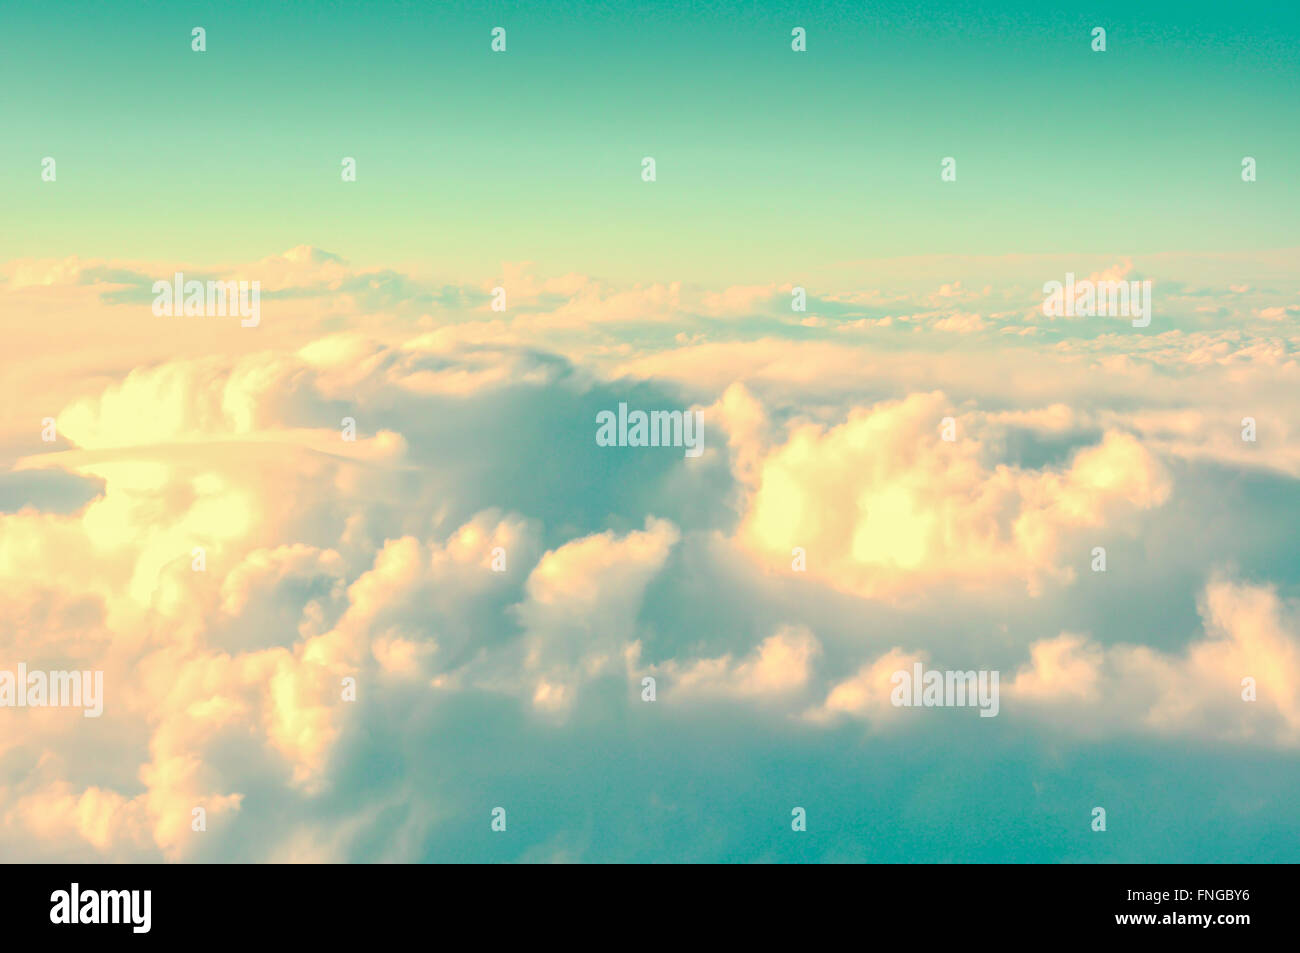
{"x": 866, "y": 694}
{"x": 1236, "y": 682}
{"x": 779, "y": 665}
{"x": 580, "y": 612}
{"x": 348, "y": 570}
{"x": 887, "y": 502}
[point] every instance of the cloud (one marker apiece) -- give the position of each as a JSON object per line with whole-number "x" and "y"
{"x": 1250, "y": 633}
{"x": 483, "y": 570}
{"x": 883, "y": 506}
{"x": 579, "y": 617}
{"x": 779, "y": 665}
{"x": 866, "y": 694}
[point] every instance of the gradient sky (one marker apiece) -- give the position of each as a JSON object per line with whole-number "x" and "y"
{"x": 372, "y": 559}
{"x": 771, "y": 165}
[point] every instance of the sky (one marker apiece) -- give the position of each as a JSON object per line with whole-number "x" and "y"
{"x": 359, "y": 569}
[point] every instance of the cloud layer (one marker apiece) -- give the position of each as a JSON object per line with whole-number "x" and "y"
{"x": 331, "y": 564}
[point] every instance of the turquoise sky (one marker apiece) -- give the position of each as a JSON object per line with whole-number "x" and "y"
{"x": 769, "y": 162}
